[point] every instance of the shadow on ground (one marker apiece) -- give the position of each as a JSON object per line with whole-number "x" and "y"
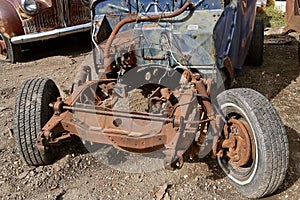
{"x": 279, "y": 69}
{"x": 293, "y": 173}
{"x": 71, "y": 45}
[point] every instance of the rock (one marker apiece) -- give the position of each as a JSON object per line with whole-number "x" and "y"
{"x": 2, "y": 108}
{"x": 39, "y": 169}
{"x": 23, "y": 175}
{"x": 167, "y": 196}
{"x": 161, "y": 192}
{"x": 31, "y": 173}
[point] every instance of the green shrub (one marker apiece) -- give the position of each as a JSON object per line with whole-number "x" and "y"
{"x": 272, "y": 16}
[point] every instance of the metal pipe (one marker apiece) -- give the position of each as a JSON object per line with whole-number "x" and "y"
{"x": 51, "y": 34}
{"x": 107, "y": 59}
{"x": 135, "y": 116}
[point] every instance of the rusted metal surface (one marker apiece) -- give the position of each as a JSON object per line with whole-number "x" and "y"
{"x": 107, "y": 58}
{"x": 51, "y": 15}
{"x": 292, "y": 15}
{"x": 210, "y": 114}
{"x": 10, "y": 22}
{"x": 134, "y": 115}
{"x": 103, "y": 125}
{"x": 61, "y": 107}
{"x": 236, "y": 144}
{"x": 94, "y": 111}
{"x": 60, "y": 14}
{"x": 228, "y": 65}
{"x": 156, "y": 86}
{"x": 3, "y": 51}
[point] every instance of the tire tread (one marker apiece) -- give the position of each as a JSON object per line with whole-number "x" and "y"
{"x": 274, "y": 139}
{"x": 30, "y": 117}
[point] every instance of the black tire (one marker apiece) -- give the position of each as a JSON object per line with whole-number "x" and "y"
{"x": 12, "y": 52}
{"x": 299, "y": 52}
{"x": 267, "y": 165}
{"x": 256, "y": 49}
{"x": 31, "y": 113}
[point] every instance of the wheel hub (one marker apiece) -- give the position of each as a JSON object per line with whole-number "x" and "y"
{"x": 237, "y": 142}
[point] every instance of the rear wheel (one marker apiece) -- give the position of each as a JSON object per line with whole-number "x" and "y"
{"x": 255, "y": 154}
{"x": 9, "y": 52}
{"x": 32, "y": 111}
{"x": 299, "y": 52}
{"x": 255, "y": 52}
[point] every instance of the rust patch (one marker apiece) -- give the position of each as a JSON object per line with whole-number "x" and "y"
{"x": 237, "y": 143}
{"x": 292, "y": 17}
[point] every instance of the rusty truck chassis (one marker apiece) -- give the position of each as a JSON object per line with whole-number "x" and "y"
{"x": 232, "y": 141}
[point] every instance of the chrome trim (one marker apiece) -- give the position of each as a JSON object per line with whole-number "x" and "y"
{"x": 51, "y": 34}
{"x": 23, "y": 2}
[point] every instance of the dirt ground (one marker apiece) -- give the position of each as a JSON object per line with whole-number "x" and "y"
{"x": 78, "y": 175}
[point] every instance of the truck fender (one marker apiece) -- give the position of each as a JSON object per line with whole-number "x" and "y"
{"x": 10, "y": 22}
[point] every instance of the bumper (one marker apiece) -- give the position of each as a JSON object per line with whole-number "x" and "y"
{"x": 50, "y": 34}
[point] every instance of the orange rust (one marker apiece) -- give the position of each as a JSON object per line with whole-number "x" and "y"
{"x": 237, "y": 143}
{"x": 228, "y": 66}
{"x": 292, "y": 16}
{"x": 107, "y": 59}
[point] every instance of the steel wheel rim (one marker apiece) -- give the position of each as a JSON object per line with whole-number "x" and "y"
{"x": 240, "y": 175}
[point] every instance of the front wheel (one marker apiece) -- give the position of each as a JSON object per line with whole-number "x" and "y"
{"x": 299, "y": 52}
{"x": 9, "y": 52}
{"x": 32, "y": 112}
{"x": 255, "y": 146}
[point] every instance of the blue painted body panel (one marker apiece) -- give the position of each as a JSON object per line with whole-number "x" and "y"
{"x": 226, "y": 28}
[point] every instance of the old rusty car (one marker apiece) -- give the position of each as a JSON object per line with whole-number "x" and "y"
{"x": 159, "y": 86}
{"x": 24, "y": 21}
